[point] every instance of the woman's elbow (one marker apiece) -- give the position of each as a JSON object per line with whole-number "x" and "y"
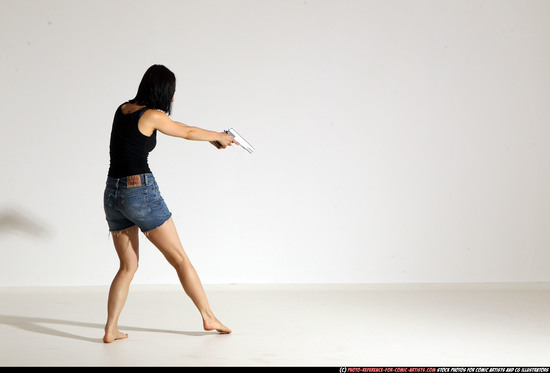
{"x": 189, "y": 133}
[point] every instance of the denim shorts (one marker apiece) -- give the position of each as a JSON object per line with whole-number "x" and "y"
{"x": 135, "y": 201}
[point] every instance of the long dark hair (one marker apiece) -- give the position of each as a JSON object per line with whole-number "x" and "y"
{"x": 156, "y": 89}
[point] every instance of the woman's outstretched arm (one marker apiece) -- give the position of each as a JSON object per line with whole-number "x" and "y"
{"x": 157, "y": 120}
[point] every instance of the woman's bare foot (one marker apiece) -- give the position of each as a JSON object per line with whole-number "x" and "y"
{"x": 213, "y": 323}
{"x": 111, "y": 337}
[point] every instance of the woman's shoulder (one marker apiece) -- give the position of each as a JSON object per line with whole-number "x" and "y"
{"x": 153, "y": 114}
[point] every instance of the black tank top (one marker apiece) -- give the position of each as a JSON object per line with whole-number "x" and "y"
{"x": 129, "y": 148}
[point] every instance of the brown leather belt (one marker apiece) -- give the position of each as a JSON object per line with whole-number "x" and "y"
{"x": 133, "y": 181}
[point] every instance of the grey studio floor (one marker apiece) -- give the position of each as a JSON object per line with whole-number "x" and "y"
{"x": 283, "y": 325}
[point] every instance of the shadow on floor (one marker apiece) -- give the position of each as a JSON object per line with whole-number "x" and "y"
{"x": 18, "y": 221}
{"x": 37, "y": 325}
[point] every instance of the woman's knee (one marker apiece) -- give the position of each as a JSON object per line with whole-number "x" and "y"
{"x": 129, "y": 268}
{"x": 177, "y": 260}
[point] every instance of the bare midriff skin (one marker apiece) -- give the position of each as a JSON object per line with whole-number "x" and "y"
{"x": 165, "y": 237}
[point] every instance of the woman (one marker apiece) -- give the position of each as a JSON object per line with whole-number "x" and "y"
{"x": 132, "y": 199}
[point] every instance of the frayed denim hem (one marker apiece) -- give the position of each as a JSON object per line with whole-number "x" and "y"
{"x": 160, "y": 225}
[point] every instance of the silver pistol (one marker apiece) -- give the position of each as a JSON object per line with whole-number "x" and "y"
{"x": 242, "y": 142}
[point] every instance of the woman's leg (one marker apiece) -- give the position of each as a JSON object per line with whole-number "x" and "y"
{"x": 166, "y": 239}
{"x": 127, "y": 248}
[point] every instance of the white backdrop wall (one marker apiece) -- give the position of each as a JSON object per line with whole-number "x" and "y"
{"x": 397, "y": 141}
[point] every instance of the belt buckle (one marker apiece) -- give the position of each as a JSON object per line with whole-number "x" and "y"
{"x": 133, "y": 181}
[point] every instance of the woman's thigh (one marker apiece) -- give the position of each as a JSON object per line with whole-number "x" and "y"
{"x": 127, "y": 246}
{"x": 167, "y": 240}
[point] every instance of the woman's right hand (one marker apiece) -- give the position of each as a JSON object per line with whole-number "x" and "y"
{"x": 224, "y": 140}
